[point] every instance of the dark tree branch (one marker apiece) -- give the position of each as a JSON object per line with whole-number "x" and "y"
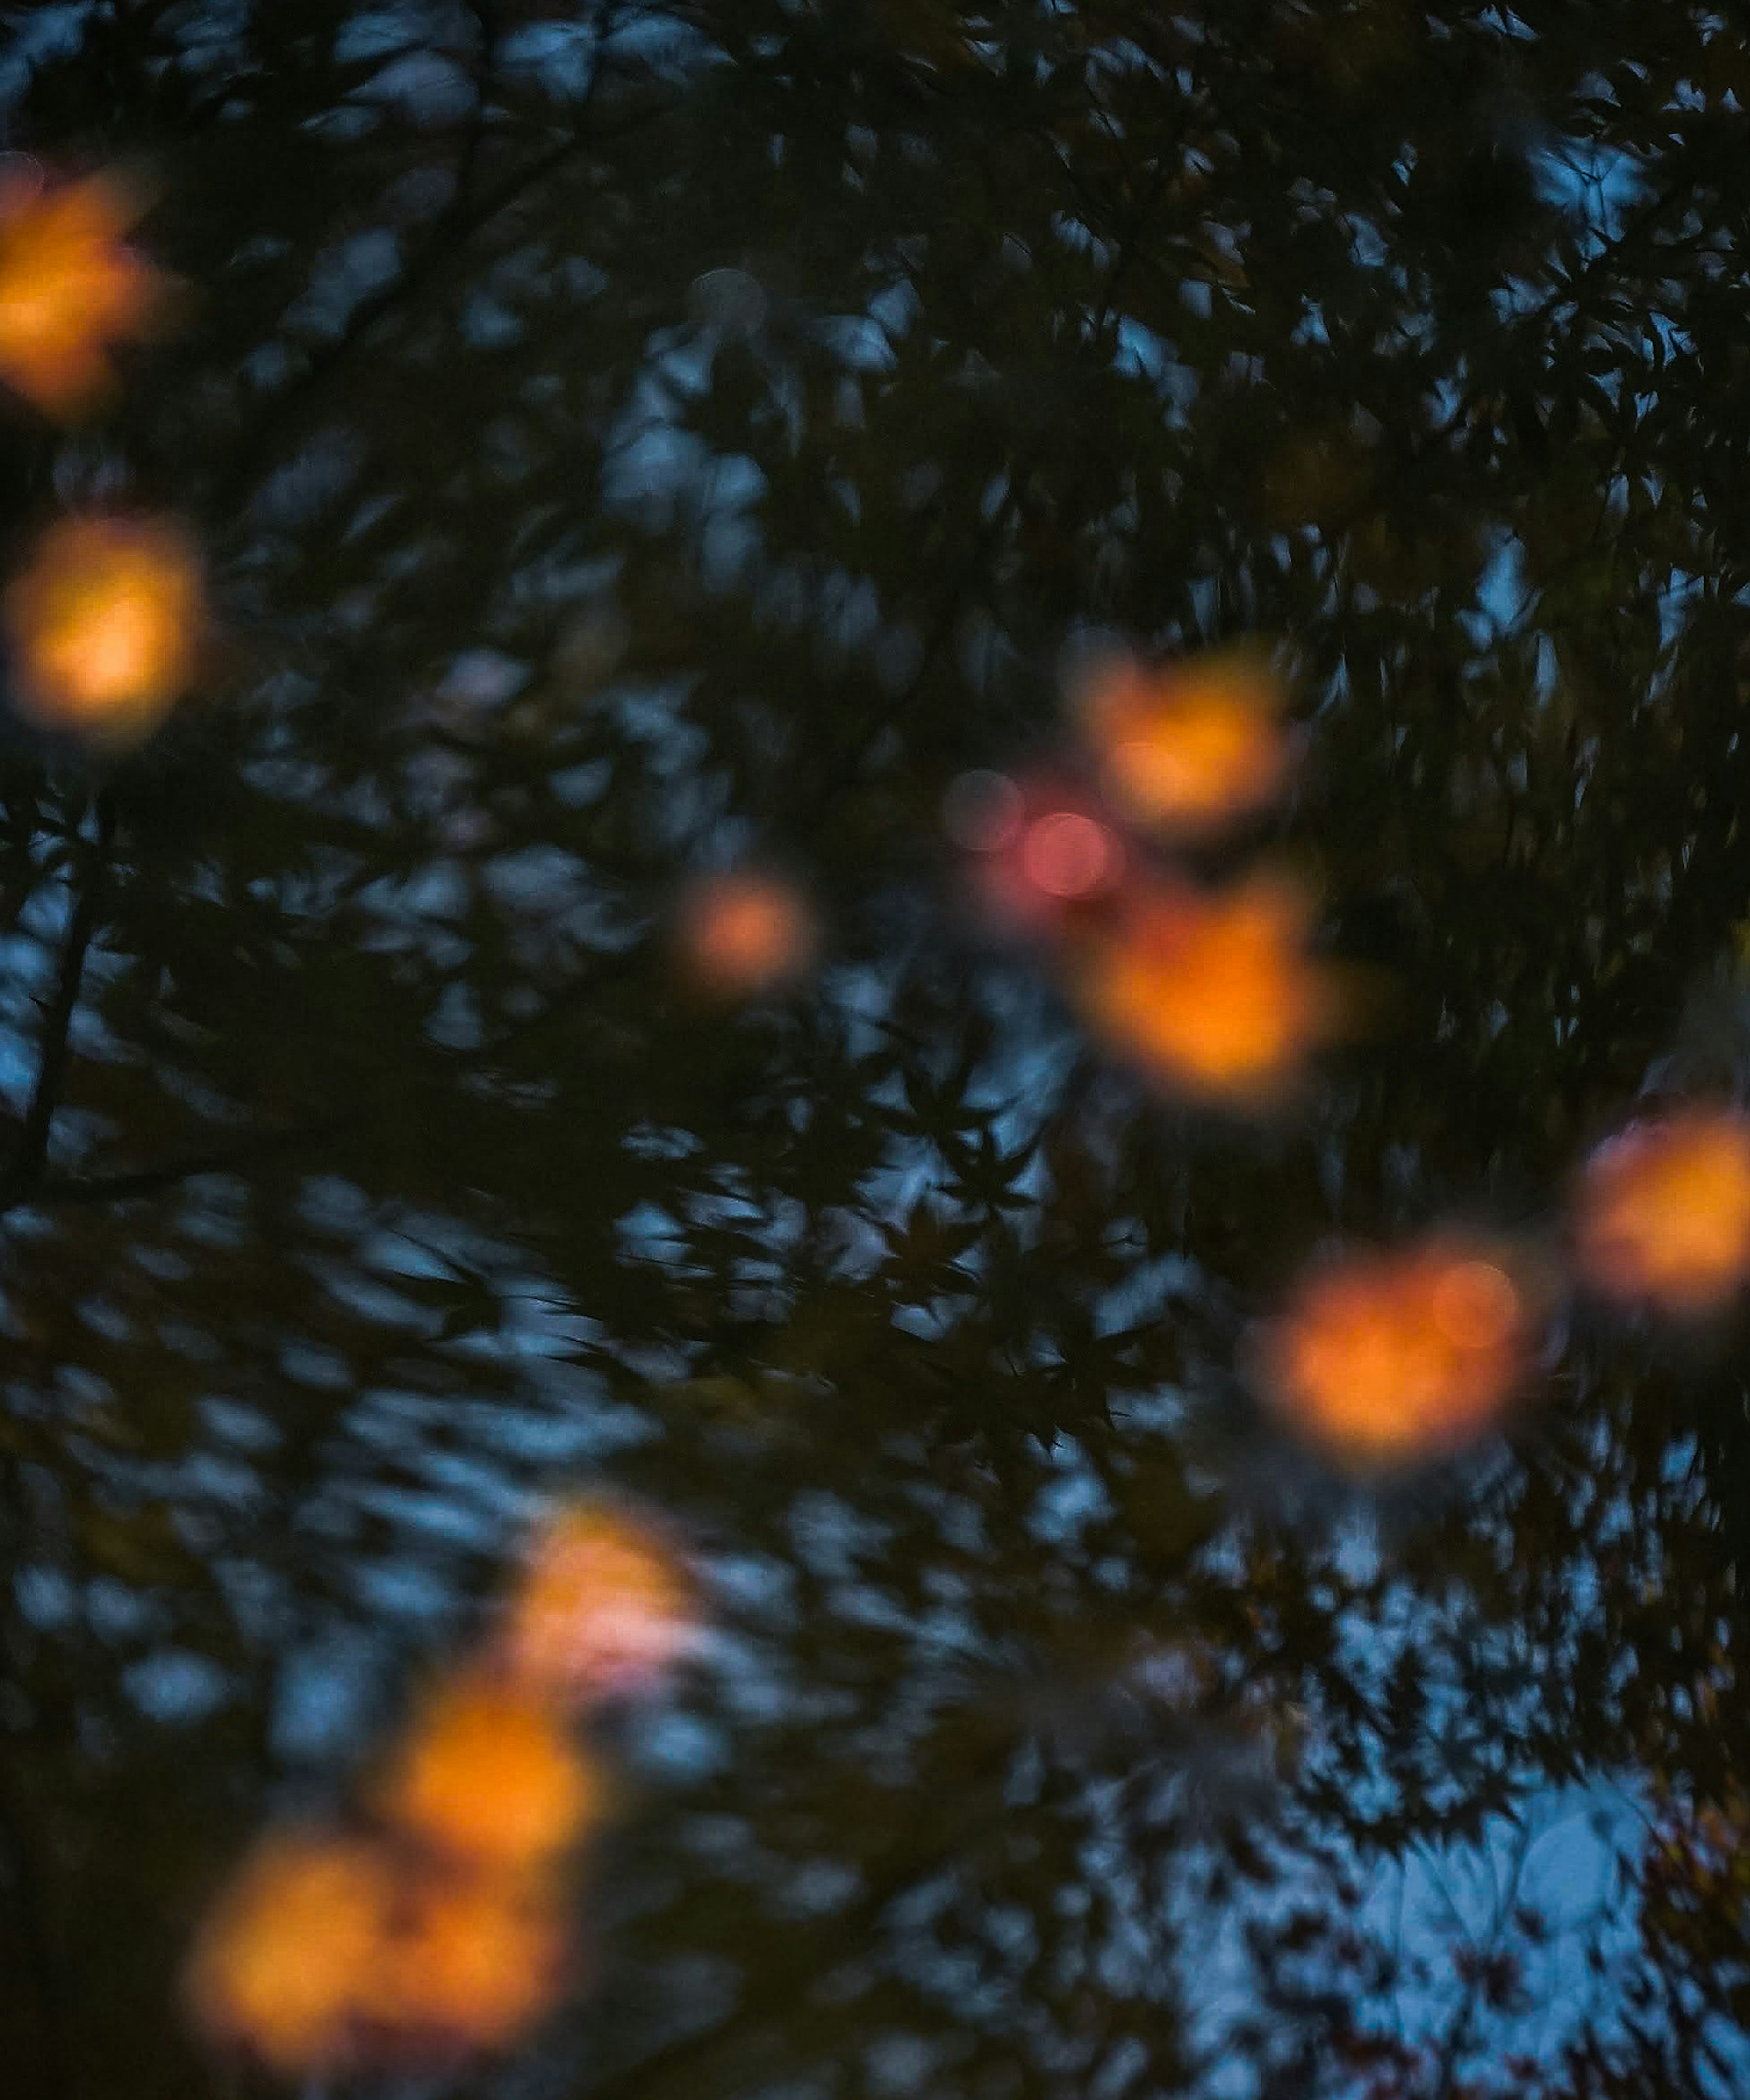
{"x": 941, "y": 1836}
{"x": 31, "y": 1153}
{"x": 137, "y": 1182}
{"x": 457, "y": 225}
{"x": 489, "y": 26}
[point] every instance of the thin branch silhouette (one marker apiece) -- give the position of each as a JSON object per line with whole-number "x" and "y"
{"x": 30, "y": 1156}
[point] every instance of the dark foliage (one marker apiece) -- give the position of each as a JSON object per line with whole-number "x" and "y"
{"x": 627, "y": 437}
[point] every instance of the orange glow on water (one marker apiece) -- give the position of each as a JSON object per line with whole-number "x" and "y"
{"x": 1387, "y": 1357}
{"x": 489, "y": 1774}
{"x": 1192, "y": 747}
{"x": 476, "y": 1960}
{"x": 603, "y": 1609}
{"x": 746, "y": 933}
{"x": 1663, "y": 1214}
{"x": 68, "y": 290}
{"x": 290, "y": 1948}
{"x": 332, "y": 1953}
{"x": 1215, "y": 996}
{"x": 104, "y": 626}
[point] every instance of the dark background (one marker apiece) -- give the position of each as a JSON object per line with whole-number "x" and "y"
{"x": 627, "y": 438}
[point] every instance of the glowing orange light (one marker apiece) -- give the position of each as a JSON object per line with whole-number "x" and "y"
{"x": 332, "y": 1953}
{"x": 490, "y": 1774}
{"x": 287, "y": 1953}
{"x": 104, "y": 626}
{"x": 1214, "y": 996}
{"x": 475, "y": 1960}
{"x": 1394, "y": 1356}
{"x": 68, "y": 289}
{"x": 1664, "y": 1212}
{"x": 746, "y": 933}
{"x": 603, "y": 1609}
{"x": 1192, "y": 747}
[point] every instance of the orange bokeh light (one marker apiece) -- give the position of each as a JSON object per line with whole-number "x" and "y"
{"x": 489, "y": 1774}
{"x": 745, "y": 933}
{"x": 1663, "y": 1212}
{"x": 604, "y": 1608}
{"x": 333, "y": 1952}
{"x": 1192, "y": 747}
{"x": 1388, "y": 1356}
{"x": 1215, "y": 996}
{"x": 289, "y": 1950}
{"x": 69, "y": 288}
{"x": 476, "y": 1960}
{"x": 105, "y": 626}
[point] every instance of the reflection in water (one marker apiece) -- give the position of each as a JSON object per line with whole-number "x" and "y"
{"x": 1214, "y": 996}
{"x": 1028, "y": 308}
{"x": 69, "y": 288}
{"x": 1192, "y": 747}
{"x": 105, "y": 625}
{"x": 739, "y": 935}
{"x": 1663, "y": 1212}
{"x": 1388, "y": 1356}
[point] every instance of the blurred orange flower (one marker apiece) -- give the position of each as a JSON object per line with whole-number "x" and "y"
{"x": 1387, "y": 1357}
{"x": 746, "y": 933}
{"x": 1215, "y": 995}
{"x": 490, "y": 1774}
{"x": 604, "y": 1608}
{"x": 1189, "y": 749}
{"x": 282, "y": 1964}
{"x": 1663, "y": 1212}
{"x": 105, "y": 626}
{"x": 68, "y": 289}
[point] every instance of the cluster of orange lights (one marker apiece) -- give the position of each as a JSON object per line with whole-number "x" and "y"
{"x": 104, "y": 625}
{"x": 1382, "y": 1358}
{"x": 1387, "y": 1357}
{"x": 433, "y": 1925}
{"x": 432, "y": 1922}
{"x": 1214, "y": 995}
